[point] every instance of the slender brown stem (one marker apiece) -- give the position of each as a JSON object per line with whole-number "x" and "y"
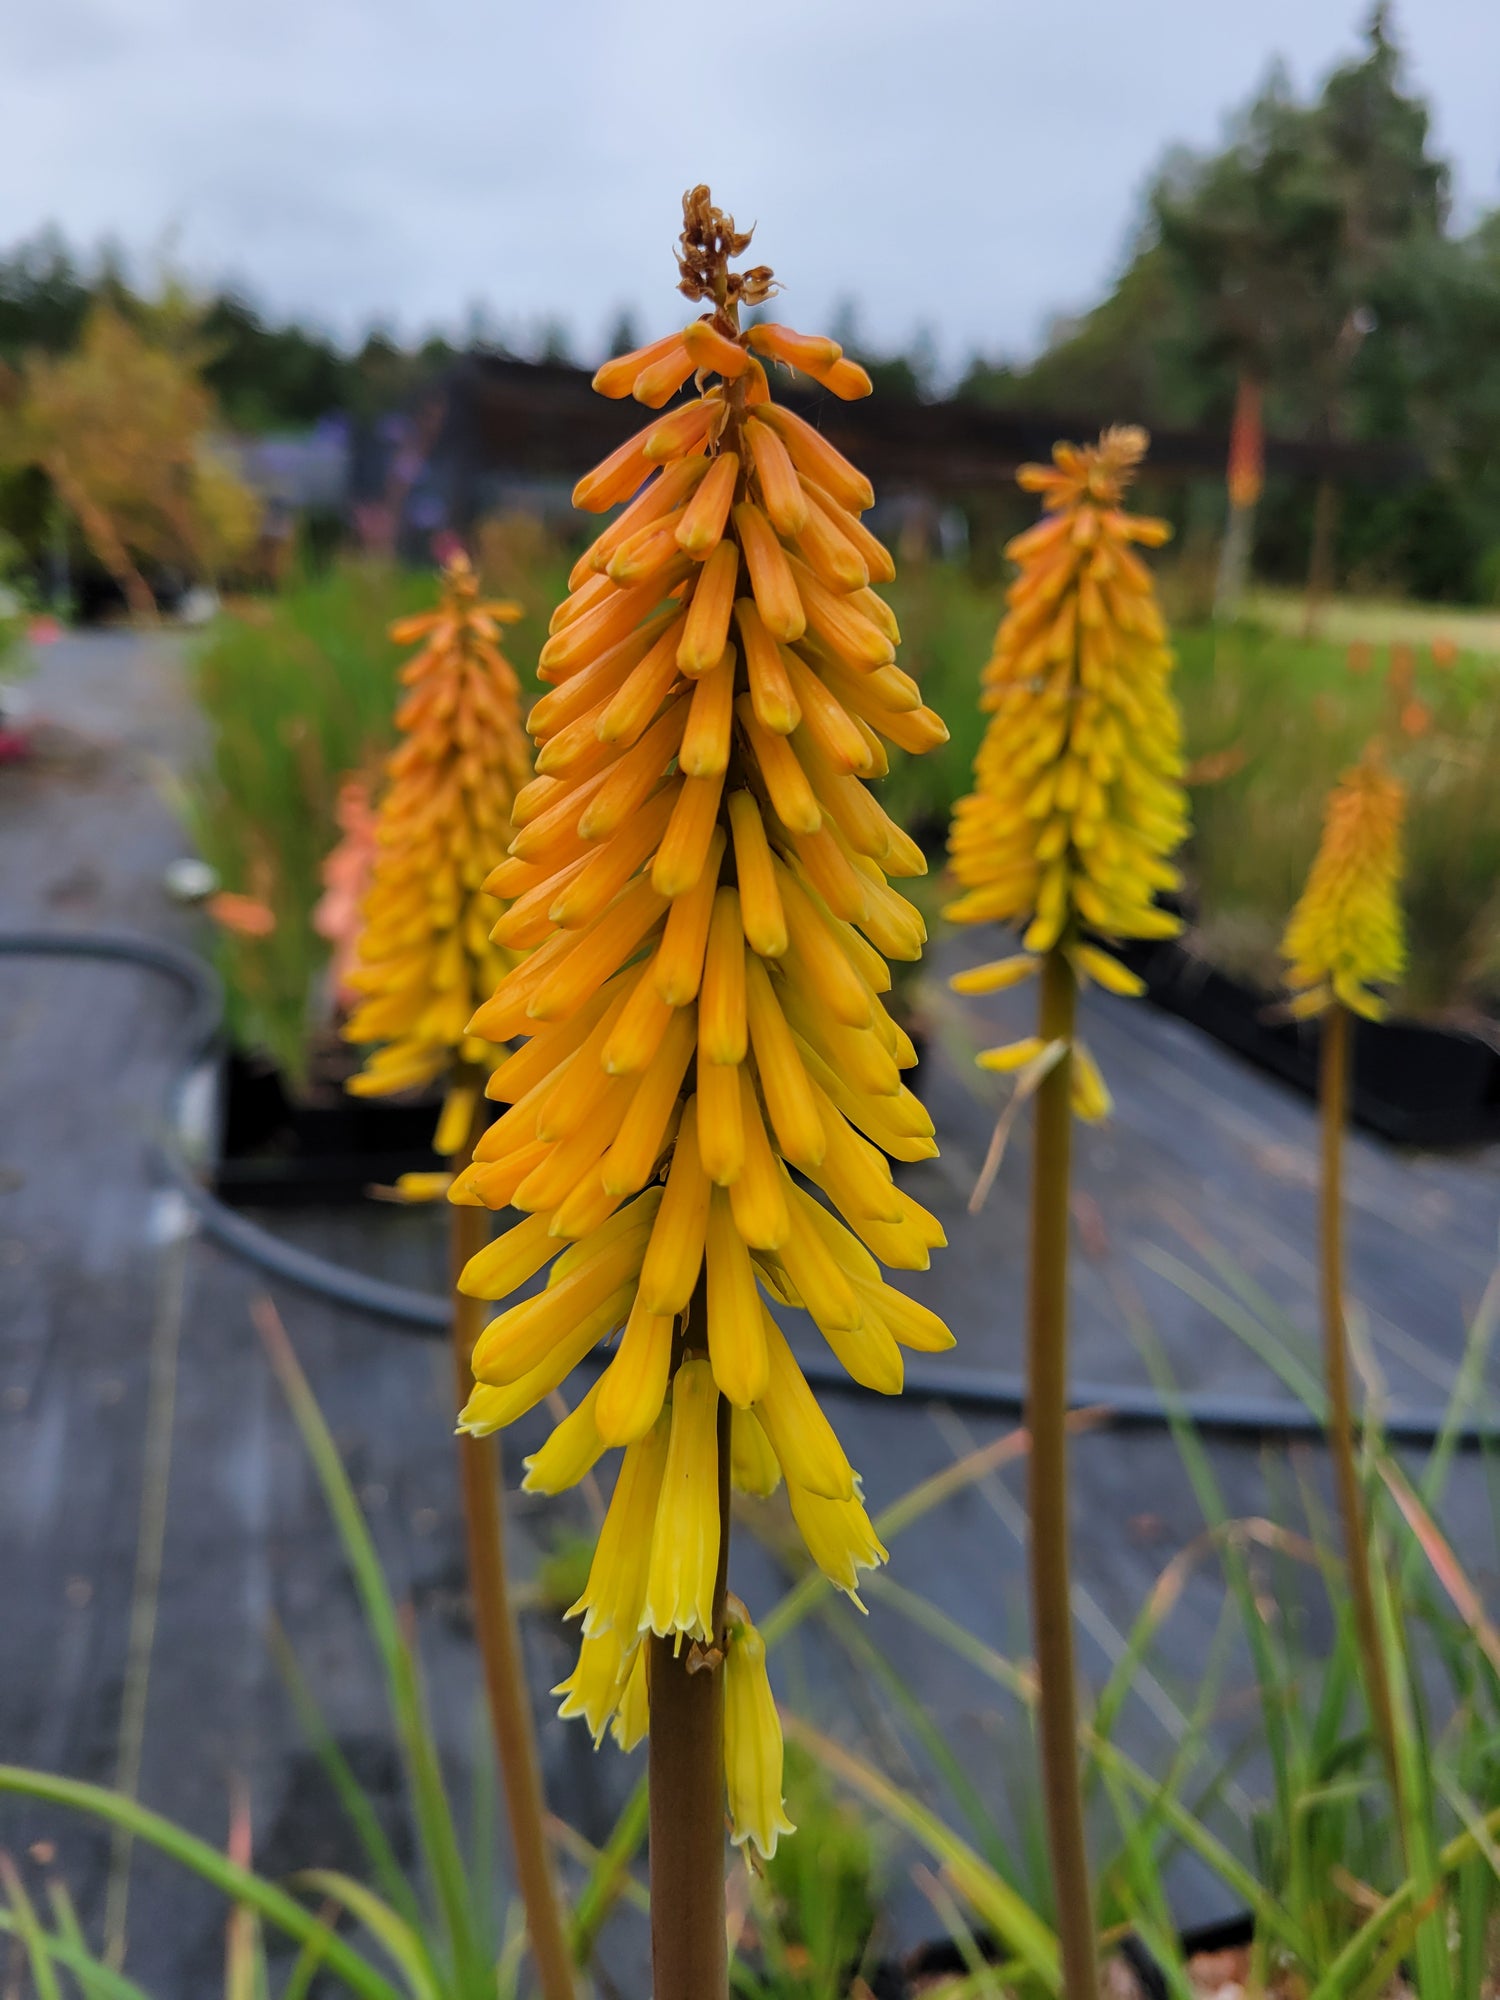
{"x": 499, "y": 1641}
{"x": 689, "y": 1953}
{"x": 1046, "y": 1418}
{"x": 1333, "y": 1094}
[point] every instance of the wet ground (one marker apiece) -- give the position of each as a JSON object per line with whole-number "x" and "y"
{"x": 157, "y": 1512}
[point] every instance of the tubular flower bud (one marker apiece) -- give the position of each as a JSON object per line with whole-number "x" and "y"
{"x": 702, "y": 877}
{"x": 424, "y": 957}
{"x": 1346, "y": 933}
{"x": 753, "y": 1749}
{"x": 1078, "y": 800}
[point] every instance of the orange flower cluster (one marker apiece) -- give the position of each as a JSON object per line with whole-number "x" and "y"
{"x": 425, "y": 957}
{"x": 702, "y": 880}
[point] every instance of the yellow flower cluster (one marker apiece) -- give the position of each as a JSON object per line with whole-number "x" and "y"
{"x": 702, "y": 881}
{"x": 1346, "y": 933}
{"x": 1078, "y": 797}
{"x": 425, "y": 959}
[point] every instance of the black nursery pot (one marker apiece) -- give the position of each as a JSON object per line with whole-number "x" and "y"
{"x": 1413, "y": 1084}
{"x": 281, "y": 1149}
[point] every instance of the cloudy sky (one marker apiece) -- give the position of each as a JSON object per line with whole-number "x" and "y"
{"x": 970, "y": 165}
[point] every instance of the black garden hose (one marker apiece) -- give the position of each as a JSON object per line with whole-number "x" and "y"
{"x": 980, "y": 1390}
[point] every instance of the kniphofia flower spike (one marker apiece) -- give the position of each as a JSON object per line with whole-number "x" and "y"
{"x": 1078, "y": 797}
{"x": 701, "y": 1118}
{"x": 1346, "y": 933}
{"x": 425, "y": 957}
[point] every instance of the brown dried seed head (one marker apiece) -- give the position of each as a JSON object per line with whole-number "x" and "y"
{"x": 709, "y": 241}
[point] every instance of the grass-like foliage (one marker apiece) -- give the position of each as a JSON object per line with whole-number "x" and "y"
{"x": 1342, "y": 1895}
{"x": 297, "y": 691}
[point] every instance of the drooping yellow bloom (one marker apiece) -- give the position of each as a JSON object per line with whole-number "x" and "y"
{"x": 1346, "y": 933}
{"x": 754, "y": 1753}
{"x": 1078, "y": 798}
{"x": 425, "y": 957}
{"x": 704, "y": 881}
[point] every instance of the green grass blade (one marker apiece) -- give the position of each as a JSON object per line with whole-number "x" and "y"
{"x": 1009, "y": 1915}
{"x": 1210, "y": 1850}
{"x": 361, "y": 1813}
{"x": 873, "y": 1663}
{"x": 434, "y": 1816}
{"x": 94, "y": 1977}
{"x": 606, "y": 1879}
{"x": 905, "y": 1511}
{"x": 1242, "y": 1322}
{"x": 240, "y": 1885}
{"x": 30, "y": 1931}
{"x": 402, "y": 1945}
{"x": 308, "y": 1963}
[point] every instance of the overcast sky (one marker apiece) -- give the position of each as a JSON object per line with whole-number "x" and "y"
{"x": 971, "y": 165}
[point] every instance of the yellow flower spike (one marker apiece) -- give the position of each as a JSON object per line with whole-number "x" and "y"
{"x": 1078, "y": 797}
{"x": 423, "y": 960}
{"x": 703, "y": 885}
{"x": 684, "y": 1549}
{"x": 753, "y": 1749}
{"x": 1346, "y": 933}
{"x": 1077, "y": 804}
{"x": 753, "y": 1466}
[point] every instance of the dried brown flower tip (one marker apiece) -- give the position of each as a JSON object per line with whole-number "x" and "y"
{"x": 709, "y": 240}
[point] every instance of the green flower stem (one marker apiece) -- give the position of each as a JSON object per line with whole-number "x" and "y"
{"x": 480, "y": 1477}
{"x": 689, "y": 1952}
{"x": 1046, "y": 1419}
{"x": 1333, "y": 1096}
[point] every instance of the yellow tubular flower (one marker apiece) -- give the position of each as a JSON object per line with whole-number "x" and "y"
{"x": 1078, "y": 799}
{"x": 426, "y": 951}
{"x": 753, "y": 1749}
{"x": 704, "y": 881}
{"x": 1346, "y": 933}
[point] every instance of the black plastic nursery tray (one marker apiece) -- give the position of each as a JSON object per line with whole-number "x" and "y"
{"x": 280, "y": 1148}
{"x": 1414, "y": 1084}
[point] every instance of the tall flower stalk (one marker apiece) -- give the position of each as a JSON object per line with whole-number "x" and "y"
{"x": 703, "y": 882}
{"x": 1077, "y": 804}
{"x": 1344, "y": 938}
{"x": 424, "y": 960}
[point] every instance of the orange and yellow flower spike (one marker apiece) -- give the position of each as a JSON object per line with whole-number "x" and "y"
{"x": 1077, "y": 803}
{"x": 425, "y": 955}
{"x": 1078, "y": 798}
{"x": 1346, "y": 933}
{"x": 1345, "y": 937}
{"x": 708, "y": 883}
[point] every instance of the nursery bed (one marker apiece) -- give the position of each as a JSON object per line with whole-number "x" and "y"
{"x": 102, "y": 1295}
